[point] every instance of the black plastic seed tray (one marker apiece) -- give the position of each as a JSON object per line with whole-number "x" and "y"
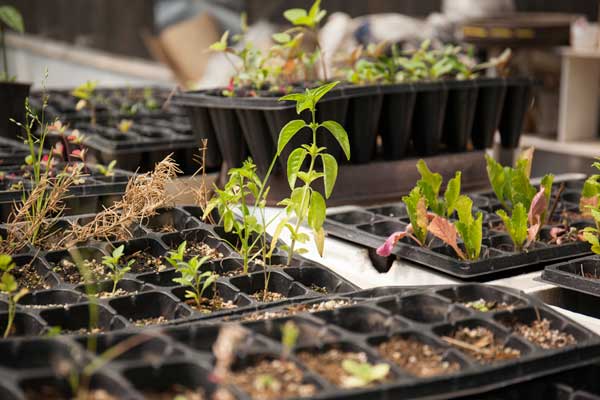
{"x": 424, "y": 118}
{"x": 116, "y": 103}
{"x": 12, "y": 152}
{"x": 180, "y": 357}
{"x": 580, "y": 274}
{"x": 92, "y": 194}
{"x": 146, "y": 143}
{"x": 58, "y": 296}
{"x": 370, "y": 227}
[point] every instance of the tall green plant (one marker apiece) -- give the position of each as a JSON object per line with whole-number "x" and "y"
{"x": 305, "y": 203}
{"x": 10, "y": 18}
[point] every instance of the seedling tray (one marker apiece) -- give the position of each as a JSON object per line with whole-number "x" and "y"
{"x": 183, "y": 354}
{"x": 149, "y": 290}
{"x": 580, "y": 274}
{"x": 423, "y": 118}
{"x": 370, "y": 227}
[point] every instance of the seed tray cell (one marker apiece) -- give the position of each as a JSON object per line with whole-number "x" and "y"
{"x": 183, "y": 354}
{"x": 371, "y": 227}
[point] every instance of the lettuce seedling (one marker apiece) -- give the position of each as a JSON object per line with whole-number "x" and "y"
{"x": 468, "y": 228}
{"x": 416, "y": 206}
{"x": 590, "y": 194}
{"x": 430, "y": 185}
{"x": 305, "y": 203}
{"x": 113, "y": 263}
{"x": 516, "y": 225}
{"x": 363, "y": 373}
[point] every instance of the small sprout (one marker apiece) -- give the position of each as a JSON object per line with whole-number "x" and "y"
{"x": 192, "y": 278}
{"x": 112, "y": 262}
{"x": 177, "y": 256}
{"x": 289, "y": 337}
{"x": 53, "y": 331}
{"x": 10, "y": 287}
{"x": 266, "y": 382}
{"x": 125, "y": 125}
{"x": 363, "y": 373}
{"x": 108, "y": 170}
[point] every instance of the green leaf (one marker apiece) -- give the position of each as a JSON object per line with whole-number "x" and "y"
{"x": 452, "y": 193}
{"x": 340, "y": 135}
{"x": 221, "y": 45}
{"x": 294, "y": 163}
{"x": 289, "y": 335}
{"x": 316, "y": 211}
{"x": 12, "y": 18}
{"x": 546, "y": 183}
{"x": 430, "y": 184}
{"x": 318, "y": 93}
{"x": 592, "y": 238}
{"x": 330, "y": 171}
{"x": 516, "y": 224}
{"x": 412, "y": 201}
{"x": 281, "y": 38}
{"x": 294, "y": 14}
{"x": 287, "y": 133}
{"x": 497, "y": 177}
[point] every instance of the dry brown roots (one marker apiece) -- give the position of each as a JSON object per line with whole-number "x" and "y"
{"x": 31, "y": 221}
{"x": 144, "y": 195}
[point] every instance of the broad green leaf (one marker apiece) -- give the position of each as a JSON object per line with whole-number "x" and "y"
{"x": 294, "y": 14}
{"x": 316, "y": 211}
{"x": 516, "y": 224}
{"x": 287, "y": 133}
{"x": 464, "y": 207}
{"x": 411, "y": 201}
{"x": 546, "y": 183}
{"x": 330, "y": 171}
{"x": 592, "y": 238}
{"x": 430, "y": 184}
{"x": 281, "y": 38}
{"x": 522, "y": 191}
{"x": 340, "y": 135}
{"x": 11, "y": 17}
{"x": 497, "y": 177}
{"x": 294, "y": 164}
{"x": 321, "y": 91}
{"x": 452, "y": 193}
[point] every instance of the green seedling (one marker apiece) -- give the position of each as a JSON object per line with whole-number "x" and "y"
{"x": 363, "y": 373}
{"x": 289, "y": 337}
{"x": 430, "y": 185}
{"x": 196, "y": 281}
{"x": 113, "y": 263}
{"x": 10, "y": 287}
{"x": 305, "y": 203}
{"x": 108, "y": 170}
{"x": 266, "y": 382}
{"x": 416, "y": 207}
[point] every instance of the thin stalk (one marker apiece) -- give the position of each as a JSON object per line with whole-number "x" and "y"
{"x": 310, "y": 168}
{"x": 12, "y": 308}
{"x": 4, "y": 55}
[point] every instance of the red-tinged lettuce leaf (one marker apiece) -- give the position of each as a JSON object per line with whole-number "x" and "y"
{"x": 386, "y": 248}
{"x": 446, "y": 232}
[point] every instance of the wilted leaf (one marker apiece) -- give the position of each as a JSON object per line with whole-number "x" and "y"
{"x": 445, "y": 231}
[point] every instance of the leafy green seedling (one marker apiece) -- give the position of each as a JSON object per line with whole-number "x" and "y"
{"x": 10, "y": 287}
{"x": 470, "y": 229}
{"x": 416, "y": 206}
{"x": 305, "y": 203}
{"x": 267, "y": 382}
{"x": 10, "y": 18}
{"x": 113, "y": 263}
{"x": 363, "y": 373}
{"x": 192, "y": 278}
{"x": 108, "y": 170}
{"x": 289, "y": 337}
{"x": 177, "y": 256}
{"x": 516, "y": 225}
{"x": 86, "y": 93}
{"x": 430, "y": 185}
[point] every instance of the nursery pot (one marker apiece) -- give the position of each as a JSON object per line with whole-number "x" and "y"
{"x": 256, "y": 132}
{"x": 519, "y": 94}
{"x": 428, "y": 117}
{"x": 460, "y": 112}
{"x": 490, "y": 100}
{"x": 229, "y": 136}
{"x": 12, "y": 105}
{"x": 396, "y": 118}
{"x": 203, "y": 129}
{"x": 364, "y": 108}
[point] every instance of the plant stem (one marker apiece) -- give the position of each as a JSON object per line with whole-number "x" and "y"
{"x": 12, "y": 308}
{"x": 4, "y": 55}
{"x": 306, "y": 185}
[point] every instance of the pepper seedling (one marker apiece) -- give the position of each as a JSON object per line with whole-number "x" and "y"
{"x": 192, "y": 278}
{"x": 306, "y": 203}
{"x": 10, "y": 287}
{"x": 113, "y": 263}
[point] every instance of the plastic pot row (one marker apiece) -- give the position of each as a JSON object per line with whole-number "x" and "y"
{"x": 423, "y": 118}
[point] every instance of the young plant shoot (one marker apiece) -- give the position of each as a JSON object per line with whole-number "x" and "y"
{"x": 363, "y": 373}
{"x": 305, "y": 203}
{"x": 590, "y": 207}
{"x": 193, "y": 279}
{"x": 289, "y": 338}
{"x": 9, "y": 286}
{"x": 113, "y": 263}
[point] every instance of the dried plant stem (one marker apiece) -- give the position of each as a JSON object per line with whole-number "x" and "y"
{"x": 201, "y": 195}
{"x": 144, "y": 195}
